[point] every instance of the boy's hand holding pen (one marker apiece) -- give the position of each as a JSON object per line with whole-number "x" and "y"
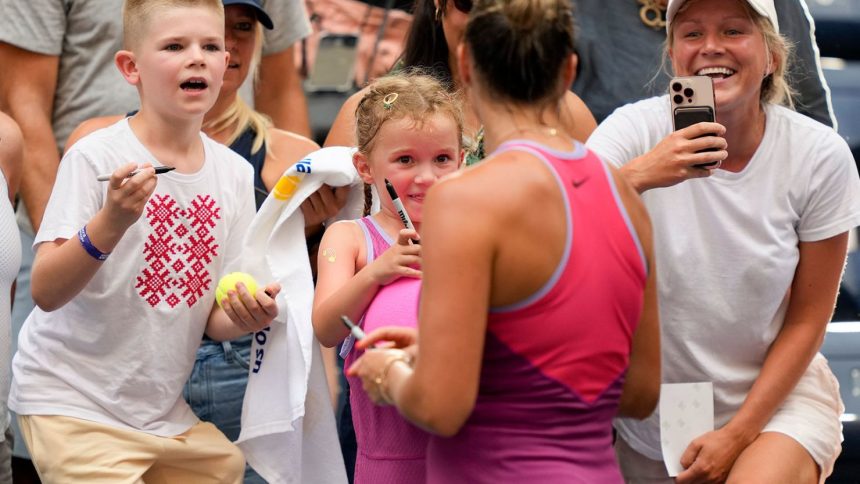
{"x": 129, "y": 190}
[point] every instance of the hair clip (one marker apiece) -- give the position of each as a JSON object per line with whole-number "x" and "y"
{"x": 388, "y": 100}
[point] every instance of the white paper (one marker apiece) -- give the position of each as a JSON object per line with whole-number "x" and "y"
{"x": 686, "y": 412}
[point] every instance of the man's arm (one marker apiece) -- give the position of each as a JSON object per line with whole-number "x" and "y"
{"x": 11, "y": 154}
{"x": 806, "y": 76}
{"x": 279, "y": 93}
{"x": 27, "y": 89}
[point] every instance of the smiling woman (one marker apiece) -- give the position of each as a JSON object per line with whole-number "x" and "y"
{"x": 766, "y": 234}
{"x": 753, "y": 43}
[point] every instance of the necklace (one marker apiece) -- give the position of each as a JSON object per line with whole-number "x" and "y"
{"x": 653, "y": 13}
{"x": 516, "y": 133}
{"x": 548, "y": 131}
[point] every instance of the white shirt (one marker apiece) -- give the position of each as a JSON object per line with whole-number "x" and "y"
{"x": 120, "y": 351}
{"x": 10, "y": 261}
{"x": 727, "y": 246}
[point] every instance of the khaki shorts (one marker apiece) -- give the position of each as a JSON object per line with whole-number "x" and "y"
{"x": 66, "y": 449}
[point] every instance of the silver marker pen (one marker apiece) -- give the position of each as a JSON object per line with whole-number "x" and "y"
{"x": 355, "y": 330}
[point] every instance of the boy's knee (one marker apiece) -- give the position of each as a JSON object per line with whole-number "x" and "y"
{"x": 236, "y": 458}
{"x": 225, "y": 456}
{"x": 234, "y": 464}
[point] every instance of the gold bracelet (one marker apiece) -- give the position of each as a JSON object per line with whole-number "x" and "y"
{"x": 382, "y": 379}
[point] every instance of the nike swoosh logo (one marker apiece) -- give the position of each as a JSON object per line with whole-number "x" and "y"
{"x": 578, "y": 183}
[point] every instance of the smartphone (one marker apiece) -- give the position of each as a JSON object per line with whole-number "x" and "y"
{"x": 692, "y": 100}
{"x": 334, "y": 64}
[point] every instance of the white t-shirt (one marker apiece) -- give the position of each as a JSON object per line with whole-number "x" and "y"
{"x": 727, "y": 246}
{"x": 120, "y": 351}
{"x": 10, "y": 261}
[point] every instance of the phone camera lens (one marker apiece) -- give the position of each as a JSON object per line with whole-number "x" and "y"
{"x": 688, "y": 92}
{"x": 678, "y": 99}
{"x": 677, "y": 87}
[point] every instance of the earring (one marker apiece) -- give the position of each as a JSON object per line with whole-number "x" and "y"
{"x": 438, "y": 14}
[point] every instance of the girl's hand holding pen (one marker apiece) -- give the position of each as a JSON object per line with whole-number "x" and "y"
{"x": 252, "y": 312}
{"x": 402, "y": 259}
{"x": 127, "y": 196}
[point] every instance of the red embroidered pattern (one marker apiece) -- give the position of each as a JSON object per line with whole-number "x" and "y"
{"x": 178, "y": 250}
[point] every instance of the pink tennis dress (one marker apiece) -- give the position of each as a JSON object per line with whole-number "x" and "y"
{"x": 390, "y": 449}
{"x": 554, "y": 364}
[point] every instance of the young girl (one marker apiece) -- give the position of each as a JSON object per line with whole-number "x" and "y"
{"x": 409, "y": 132}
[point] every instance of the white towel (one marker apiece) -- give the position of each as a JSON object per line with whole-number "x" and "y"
{"x": 288, "y": 428}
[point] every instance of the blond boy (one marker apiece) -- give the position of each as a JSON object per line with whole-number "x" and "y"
{"x": 98, "y": 377}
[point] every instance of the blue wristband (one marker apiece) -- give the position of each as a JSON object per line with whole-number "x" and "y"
{"x": 89, "y": 247}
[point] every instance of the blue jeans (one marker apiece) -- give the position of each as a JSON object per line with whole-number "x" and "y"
{"x": 216, "y": 388}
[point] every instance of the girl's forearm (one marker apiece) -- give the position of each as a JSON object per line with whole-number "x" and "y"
{"x": 352, "y": 300}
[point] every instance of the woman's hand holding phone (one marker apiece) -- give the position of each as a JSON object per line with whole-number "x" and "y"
{"x": 674, "y": 159}
{"x": 692, "y": 101}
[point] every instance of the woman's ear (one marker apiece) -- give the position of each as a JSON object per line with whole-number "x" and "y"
{"x": 570, "y": 70}
{"x": 464, "y": 64}
{"x": 127, "y": 66}
{"x": 359, "y": 160}
{"x": 772, "y": 61}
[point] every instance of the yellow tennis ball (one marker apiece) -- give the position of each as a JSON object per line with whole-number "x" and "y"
{"x": 229, "y": 282}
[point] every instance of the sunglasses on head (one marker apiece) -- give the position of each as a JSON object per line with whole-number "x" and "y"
{"x": 464, "y": 6}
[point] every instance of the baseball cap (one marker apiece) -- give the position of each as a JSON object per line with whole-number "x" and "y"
{"x": 765, "y": 8}
{"x": 262, "y": 16}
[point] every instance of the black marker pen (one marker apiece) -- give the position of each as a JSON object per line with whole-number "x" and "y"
{"x": 399, "y": 206}
{"x": 158, "y": 170}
